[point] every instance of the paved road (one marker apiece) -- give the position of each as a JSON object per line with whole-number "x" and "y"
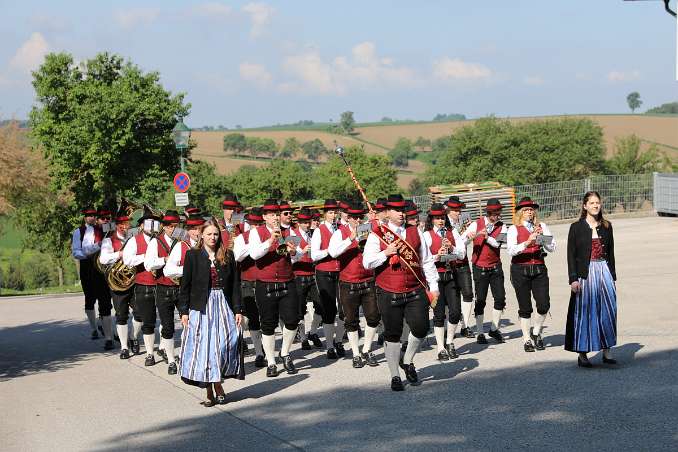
{"x": 59, "y": 391}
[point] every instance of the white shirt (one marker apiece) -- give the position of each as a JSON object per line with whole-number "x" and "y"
{"x": 459, "y": 244}
{"x": 240, "y": 249}
{"x": 338, "y": 245}
{"x": 373, "y": 256}
{"x": 316, "y": 253}
{"x": 258, "y": 249}
{"x": 514, "y": 248}
{"x": 152, "y": 261}
{"x": 108, "y": 256}
{"x": 172, "y": 268}
{"x": 473, "y": 228}
{"x": 85, "y": 248}
{"x": 456, "y": 225}
{"x": 129, "y": 254}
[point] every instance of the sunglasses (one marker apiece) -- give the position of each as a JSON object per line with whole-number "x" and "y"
{"x": 286, "y": 214}
{"x": 105, "y": 218}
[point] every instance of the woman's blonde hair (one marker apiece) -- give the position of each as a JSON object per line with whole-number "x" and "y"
{"x": 518, "y": 216}
{"x": 220, "y": 254}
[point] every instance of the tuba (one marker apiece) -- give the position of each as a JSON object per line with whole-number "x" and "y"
{"x": 128, "y": 207}
{"x": 120, "y": 277}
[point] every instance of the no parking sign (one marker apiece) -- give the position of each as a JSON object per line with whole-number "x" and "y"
{"x": 182, "y": 182}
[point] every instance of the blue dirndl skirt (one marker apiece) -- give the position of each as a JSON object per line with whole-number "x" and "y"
{"x": 211, "y": 344}
{"x": 592, "y": 314}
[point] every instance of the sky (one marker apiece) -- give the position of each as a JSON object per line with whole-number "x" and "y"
{"x": 266, "y": 62}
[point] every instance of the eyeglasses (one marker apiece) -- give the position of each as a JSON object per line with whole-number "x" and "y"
{"x": 286, "y": 214}
{"x": 105, "y": 218}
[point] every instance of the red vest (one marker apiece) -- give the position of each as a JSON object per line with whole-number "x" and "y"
{"x": 248, "y": 268}
{"x": 304, "y": 266}
{"x": 327, "y": 264}
{"x": 351, "y": 261}
{"x": 485, "y": 255}
{"x": 116, "y": 243}
{"x": 143, "y": 277}
{"x": 273, "y": 267}
{"x": 397, "y": 278}
{"x": 532, "y": 255}
{"x": 164, "y": 280}
{"x": 436, "y": 243}
{"x": 98, "y": 233}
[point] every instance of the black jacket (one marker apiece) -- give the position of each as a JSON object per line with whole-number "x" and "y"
{"x": 579, "y": 249}
{"x": 196, "y": 282}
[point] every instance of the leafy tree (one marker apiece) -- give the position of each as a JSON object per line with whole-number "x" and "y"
{"x": 402, "y": 152}
{"x": 313, "y": 149}
{"x": 449, "y": 117}
{"x": 235, "y": 142}
{"x": 629, "y": 158}
{"x": 670, "y": 108}
{"x": 422, "y": 143}
{"x": 633, "y": 99}
{"x": 417, "y": 187}
{"x": 254, "y": 185}
{"x": 347, "y": 122}
{"x": 386, "y": 119}
{"x": 290, "y": 148}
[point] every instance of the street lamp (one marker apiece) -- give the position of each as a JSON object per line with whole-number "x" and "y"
{"x": 181, "y": 133}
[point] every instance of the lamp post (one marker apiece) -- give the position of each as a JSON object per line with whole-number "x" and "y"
{"x": 181, "y": 133}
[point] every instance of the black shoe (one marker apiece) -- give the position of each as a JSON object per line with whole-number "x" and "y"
{"x": 539, "y": 343}
{"x": 272, "y": 371}
{"x": 172, "y": 369}
{"x": 410, "y": 372}
{"x": 108, "y": 345}
{"x": 134, "y": 347}
{"x": 583, "y": 362}
{"x": 339, "y": 347}
{"x": 297, "y": 337}
{"x": 124, "y": 354}
{"x": 397, "y": 384}
{"x": 370, "y": 359}
{"x": 358, "y": 362}
{"x": 163, "y": 355}
{"x": 528, "y": 346}
{"x": 468, "y": 333}
{"x": 481, "y": 339}
{"x": 331, "y": 354}
{"x": 313, "y": 337}
{"x": 260, "y": 361}
{"x": 95, "y": 335}
{"x": 380, "y": 339}
{"x": 245, "y": 349}
{"x": 305, "y": 345}
{"x": 443, "y": 356}
{"x": 451, "y": 351}
{"x": 403, "y": 346}
{"x": 221, "y": 399}
{"x": 150, "y": 361}
{"x": 496, "y": 335}
{"x": 288, "y": 364}
{"x": 116, "y": 338}
{"x": 609, "y": 360}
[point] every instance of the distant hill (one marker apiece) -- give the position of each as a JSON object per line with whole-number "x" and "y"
{"x": 664, "y": 109}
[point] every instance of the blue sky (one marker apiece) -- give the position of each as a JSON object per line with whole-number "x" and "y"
{"x": 266, "y": 62}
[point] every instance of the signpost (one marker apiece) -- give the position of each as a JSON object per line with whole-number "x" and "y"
{"x": 181, "y": 185}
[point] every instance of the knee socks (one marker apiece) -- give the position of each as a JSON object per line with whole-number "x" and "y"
{"x": 392, "y": 352}
{"x": 451, "y": 331}
{"x": 122, "y": 334}
{"x": 108, "y": 330}
{"x": 466, "y": 307}
{"x": 354, "y": 341}
{"x": 136, "y": 329}
{"x": 288, "y": 338}
{"x": 149, "y": 340}
{"x": 256, "y": 341}
{"x": 370, "y": 332}
{"x": 413, "y": 344}
{"x": 538, "y": 324}
{"x": 268, "y": 342}
{"x": 92, "y": 319}
{"x": 525, "y": 327}
{"x": 480, "y": 326}
{"x": 339, "y": 332}
{"x": 439, "y": 332}
{"x": 168, "y": 345}
{"x": 329, "y": 335}
{"x": 315, "y": 323}
{"x": 496, "y": 319}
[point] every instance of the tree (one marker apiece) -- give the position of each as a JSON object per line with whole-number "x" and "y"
{"x": 235, "y": 142}
{"x": 347, "y": 122}
{"x": 290, "y": 148}
{"x": 402, "y": 152}
{"x": 422, "y": 143}
{"x": 670, "y": 108}
{"x": 313, "y": 149}
{"x": 633, "y": 99}
{"x": 629, "y": 158}
{"x": 254, "y": 185}
{"x": 386, "y": 119}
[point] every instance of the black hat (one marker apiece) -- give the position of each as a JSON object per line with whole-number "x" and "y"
{"x": 343, "y": 205}
{"x": 396, "y": 201}
{"x": 284, "y": 205}
{"x": 436, "y": 209}
{"x": 231, "y": 202}
{"x": 355, "y": 208}
{"x": 147, "y": 215}
{"x": 254, "y": 215}
{"x": 88, "y": 210}
{"x": 493, "y": 204}
{"x": 526, "y": 201}
{"x": 330, "y": 204}
{"x": 411, "y": 209}
{"x": 270, "y": 205}
{"x": 304, "y": 214}
{"x": 380, "y": 205}
{"x": 104, "y": 211}
{"x": 171, "y": 216}
{"x": 122, "y": 214}
{"x": 195, "y": 219}
{"x": 189, "y": 209}
{"x": 454, "y": 202}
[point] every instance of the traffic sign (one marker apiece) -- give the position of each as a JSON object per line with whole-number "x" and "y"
{"x": 182, "y": 182}
{"x": 181, "y": 199}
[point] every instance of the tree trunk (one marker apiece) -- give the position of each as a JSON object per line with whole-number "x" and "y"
{"x": 60, "y": 271}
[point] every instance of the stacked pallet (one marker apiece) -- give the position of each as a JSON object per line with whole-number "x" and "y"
{"x": 475, "y": 196}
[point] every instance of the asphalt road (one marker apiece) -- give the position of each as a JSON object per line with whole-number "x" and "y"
{"x": 60, "y": 391}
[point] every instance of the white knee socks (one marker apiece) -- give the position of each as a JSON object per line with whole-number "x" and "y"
{"x": 168, "y": 345}
{"x": 288, "y": 338}
{"x": 268, "y": 342}
{"x": 329, "y": 335}
{"x": 439, "y": 332}
{"x": 136, "y": 329}
{"x": 480, "y": 326}
{"x": 538, "y": 324}
{"x": 354, "y": 341}
{"x": 340, "y": 330}
{"x": 149, "y": 340}
{"x": 496, "y": 319}
{"x": 466, "y": 307}
{"x": 122, "y": 334}
{"x": 451, "y": 331}
{"x": 106, "y": 324}
{"x": 392, "y": 352}
{"x": 525, "y": 327}
{"x": 413, "y": 344}
{"x": 315, "y": 323}
{"x": 92, "y": 319}
{"x": 256, "y": 341}
{"x": 370, "y": 332}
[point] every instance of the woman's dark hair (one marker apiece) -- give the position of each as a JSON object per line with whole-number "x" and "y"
{"x": 220, "y": 255}
{"x": 598, "y": 217}
{"x": 429, "y": 222}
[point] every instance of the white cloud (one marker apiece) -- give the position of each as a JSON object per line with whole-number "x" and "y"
{"x": 619, "y": 76}
{"x": 214, "y": 10}
{"x": 30, "y": 55}
{"x": 453, "y": 69}
{"x": 533, "y": 80}
{"x": 260, "y": 15}
{"x": 255, "y": 73}
{"x": 137, "y": 16}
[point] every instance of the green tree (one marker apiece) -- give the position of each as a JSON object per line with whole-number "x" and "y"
{"x": 402, "y": 152}
{"x": 629, "y": 157}
{"x": 235, "y": 142}
{"x": 633, "y": 99}
{"x": 290, "y": 148}
{"x": 313, "y": 149}
{"x": 670, "y": 108}
{"x": 254, "y": 185}
{"x": 347, "y": 122}
{"x": 422, "y": 143}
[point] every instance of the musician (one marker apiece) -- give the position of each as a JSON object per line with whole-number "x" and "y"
{"x": 356, "y": 286}
{"x": 275, "y": 291}
{"x": 403, "y": 266}
{"x": 230, "y": 205}
{"x": 285, "y": 215}
{"x": 85, "y": 244}
{"x": 111, "y": 252}
{"x": 167, "y": 289}
{"x": 193, "y": 225}
{"x": 380, "y": 209}
{"x": 412, "y": 214}
{"x": 315, "y": 221}
{"x": 461, "y": 268}
{"x": 304, "y": 276}
{"x": 443, "y": 242}
{"x": 342, "y": 218}
{"x": 487, "y": 270}
{"x": 190, "y": 210}
{"x": 248, "y": 279}
{"x": 144, "y": 281}
{"x": 327, "y": 277}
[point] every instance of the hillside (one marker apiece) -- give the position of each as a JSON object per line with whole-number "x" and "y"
{"x": 662, "y": 130}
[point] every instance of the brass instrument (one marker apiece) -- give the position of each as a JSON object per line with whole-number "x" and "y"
{"x": 362, "y": 233}
{"x": 120, "y": 277}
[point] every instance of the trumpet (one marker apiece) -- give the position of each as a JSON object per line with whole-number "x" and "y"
{"x": 362, "y": 233}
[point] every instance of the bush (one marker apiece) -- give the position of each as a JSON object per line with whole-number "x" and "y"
{"x": 13, "y": 278}
{"x": 37, "y": 273}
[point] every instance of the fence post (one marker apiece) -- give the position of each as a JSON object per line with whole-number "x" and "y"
{"x": 587, "y": 185}
{"x": 655, "y": 177}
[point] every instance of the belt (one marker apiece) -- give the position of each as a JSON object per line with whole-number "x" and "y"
{"x": 486, "y": 269}
{"x": 458, "y": 264}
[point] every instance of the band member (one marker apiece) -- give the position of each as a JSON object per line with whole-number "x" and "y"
{"x": 443, "y": 242}
{"x": 190, "y": 210}
{"x": 403, "y": 266}
{"x": 592, "y": 313}
{"x": 315, "y": 221}
{"x": 342, "y": 217}
{"x": 327, "y": 277}
{"x": 111, "y": 252}
{"x": 380, "y": 209}
{"x": 85, "y": 244}
{"x": 356, "y": 286}
{"x": 211, "y": 313}
{"x": 285, "y": 215}
{"x": 304, "y": 275}
{"x": 230, "y": 205}
{"x": 529, "y": 275}
{"x": 412, "y": 214}
{"x": 276, "y": 291}
{"x": 167, "y": 288}
{"x": 461, "y": 268}
{"x": 144, "y": 280}
{"x": 248, "y": 279}
{"x": 487, "y": 271}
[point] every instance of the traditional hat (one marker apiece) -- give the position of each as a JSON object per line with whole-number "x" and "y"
{"x": 171, "y": 216}
{"x": 343, "y": 205}
{"x": 412, "y": 209}
{"x": 454, "y": 202}
{"x": 284, "y": 205}
{"x": 254, "y": 215}
{"x": 526, "y": 201}
{"x": 189, "y": 209}
{"x": 104, "y": 212}
{"x": 147, "y": 215}
{"x": 396, "y": 201}
{"x": 88, "y": 210}
{"x": 316, "y": 214}
{"x": 122, "y": 215}
{"x": 380, "y": 204}
{"x": 195, "y": 219}
{"x": 271, "y": 205}
{"x": 436, "y": 210}
{"x": 330, "y": 204}
{"x": 493, "y": 204}
{"x": 231, "y": 202}
{"x": 355, "y": 208}
{"x": 304, "y": 215}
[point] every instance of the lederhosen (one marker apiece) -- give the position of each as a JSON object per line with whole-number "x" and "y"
{"x": 356, "y": 286}
{"x": 462, "y": 276}
{"x": 123, "y": 301}
{"x": 166, "y": 290}
{"x": 487, "y": 270}
{"x": 275, "y": 290}
{"x": 248, "y": 280}
{"x": 304, "y": 276}
{"x": 327, "y": 279}
{"x": 450, "y": 291}
{"x": 144, "y": 289}
{"x": 529, "y": 277}
{"x": 93, "y": 282}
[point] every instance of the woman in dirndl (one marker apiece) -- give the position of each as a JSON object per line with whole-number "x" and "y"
{"x": 211, "y": 313}
{"x": 592, "y": 314}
